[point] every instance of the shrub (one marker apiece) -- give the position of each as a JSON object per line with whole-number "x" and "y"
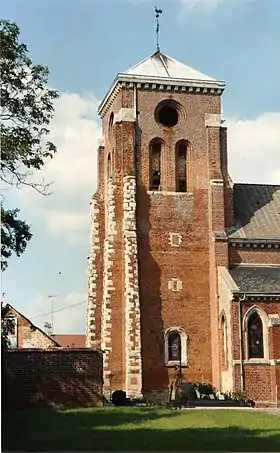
{"x": 204, "y": 389}
{"x": 119, "y": 398}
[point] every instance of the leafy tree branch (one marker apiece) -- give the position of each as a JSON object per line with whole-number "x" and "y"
{"x": 26, "y": 112}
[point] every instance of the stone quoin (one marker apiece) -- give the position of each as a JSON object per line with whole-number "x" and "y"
{"x": 184, "y": 266}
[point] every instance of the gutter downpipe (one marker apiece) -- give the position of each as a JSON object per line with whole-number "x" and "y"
{"x": 241, "y": 299}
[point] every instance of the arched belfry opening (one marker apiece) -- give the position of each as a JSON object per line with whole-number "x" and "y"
{"x": 156, "y": 149}
{"x": 182, "y": 166}
{"x": 110, "y": 129}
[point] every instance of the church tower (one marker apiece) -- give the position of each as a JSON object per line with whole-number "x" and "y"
{"x": 158, "y": 225}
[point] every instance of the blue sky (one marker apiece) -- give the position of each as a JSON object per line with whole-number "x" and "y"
{"x": 85, "y": 43}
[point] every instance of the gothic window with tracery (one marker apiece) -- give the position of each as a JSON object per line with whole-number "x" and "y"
{"x": 255, "y": 337}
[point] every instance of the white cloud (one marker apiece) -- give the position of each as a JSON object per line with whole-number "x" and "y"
{"x": 75, "y": 131}
{"x": 67, "y": 221}
{"x": 254, "y": 149}
{"x": 71, "y": 320}
{"x": 201, "y": 4}
{"x": 209, "y": 6}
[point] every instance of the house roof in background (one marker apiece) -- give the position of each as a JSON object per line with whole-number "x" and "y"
{"x": 9, "y": 307}
{"x": 257, "y": 279}
{"x": 70, "y": 341}
{"x": 256, "y": 211}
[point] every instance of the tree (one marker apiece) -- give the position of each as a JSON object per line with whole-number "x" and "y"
{"x": 26, "y": 112}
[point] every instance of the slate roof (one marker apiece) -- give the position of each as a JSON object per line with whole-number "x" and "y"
{"x": 161, "y": 65}
{"x": 257, "y": 212}
{"x": 257, "y": 279}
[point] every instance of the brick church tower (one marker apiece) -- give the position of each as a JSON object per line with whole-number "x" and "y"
{"x": 158, "y": 215}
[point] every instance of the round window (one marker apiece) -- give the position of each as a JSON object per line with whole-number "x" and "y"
{"x": 167, "y": 113}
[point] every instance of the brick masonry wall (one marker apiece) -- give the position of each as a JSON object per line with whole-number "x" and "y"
{"x": 262, "y": 383}
{"x": 161, "y": 214}
{"x": 270, "y": 308}
{"x": 275, "y": 335}
{"x": 190, "y": 217}
{"x": 61, "y": 377}
{"x": 218, "y": 251}
{"x": 191, "y": 126}
{"x": 257, "y": 381}
{"x": 186, "y": 216}
{"x": 260, "y": 376}
{"x": 254, "y": 255}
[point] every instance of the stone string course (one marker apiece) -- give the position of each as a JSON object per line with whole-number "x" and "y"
{"x": 132, "y": 302}
{"x": 92, "y": 275}
{"x": 108, "y": 288}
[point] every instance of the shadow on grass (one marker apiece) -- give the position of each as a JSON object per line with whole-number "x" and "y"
{"x": 128, "y": 430}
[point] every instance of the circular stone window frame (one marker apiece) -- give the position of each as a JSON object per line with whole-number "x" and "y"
{"x": 168, "y": 104}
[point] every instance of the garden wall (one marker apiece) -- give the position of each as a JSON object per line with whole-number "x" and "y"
{"x": 56, "y": 377}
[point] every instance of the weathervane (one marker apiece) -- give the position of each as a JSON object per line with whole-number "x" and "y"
{"x": 158, "y": 12}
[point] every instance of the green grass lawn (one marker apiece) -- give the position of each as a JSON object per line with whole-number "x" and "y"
{"x": 125, "y": 429}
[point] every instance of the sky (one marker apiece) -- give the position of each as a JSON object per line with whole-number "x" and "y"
{"x": 85, "y": 44}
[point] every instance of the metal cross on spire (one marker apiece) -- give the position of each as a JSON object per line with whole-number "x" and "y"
{"x": 158, "y": 12}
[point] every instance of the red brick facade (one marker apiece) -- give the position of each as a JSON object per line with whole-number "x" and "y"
{"x": 261, "y": 376}
{"x": 170, "y": 279}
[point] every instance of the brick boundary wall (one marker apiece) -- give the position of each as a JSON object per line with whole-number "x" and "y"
{"x": 55, "y": 377}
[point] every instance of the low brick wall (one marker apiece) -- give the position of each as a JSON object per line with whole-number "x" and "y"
{"x": 56, "y": 377}
{"x": 262, "y": 383}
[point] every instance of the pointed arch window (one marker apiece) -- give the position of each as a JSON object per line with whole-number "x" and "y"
{"x": 182, "y": 165}
{"x": 155, "y": 164}
{"x": 255, "y": 336}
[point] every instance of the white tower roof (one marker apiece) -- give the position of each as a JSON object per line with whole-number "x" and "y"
{"x": 161, "y": 70}
{"x": 160, "y": 65}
